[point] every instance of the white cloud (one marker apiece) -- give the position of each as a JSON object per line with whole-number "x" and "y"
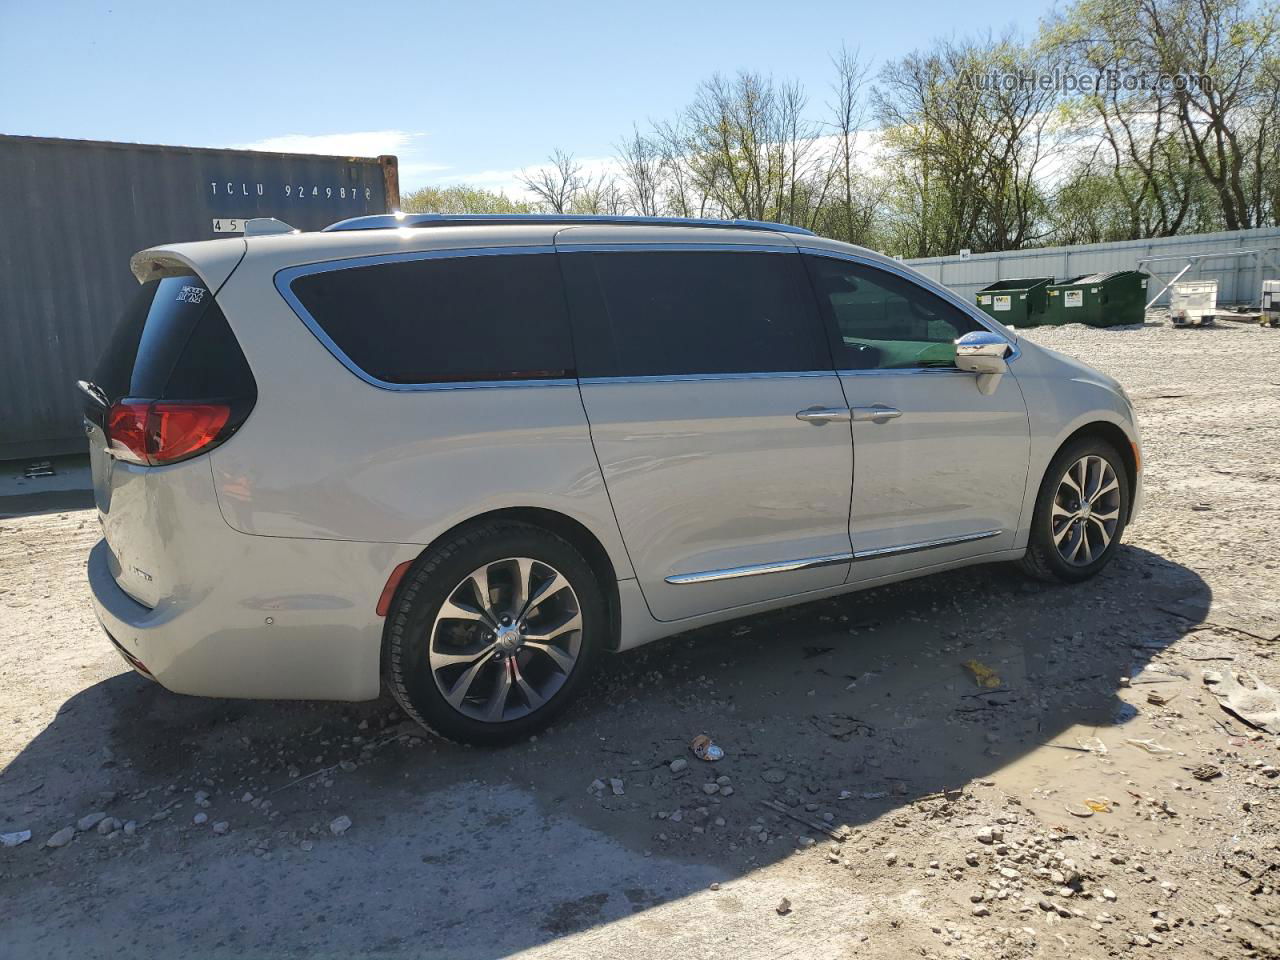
{"x": 365, "y": 143}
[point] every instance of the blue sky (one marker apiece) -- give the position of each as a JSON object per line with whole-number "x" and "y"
{"x": 462, "y": 92}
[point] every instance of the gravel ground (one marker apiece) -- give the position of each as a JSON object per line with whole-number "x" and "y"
{"x": 874, "y": 801}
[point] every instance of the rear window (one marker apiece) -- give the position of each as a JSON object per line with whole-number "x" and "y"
{"x": 173, "y": 343}
{"x": 656, "y": 313}
{"x": 443, "y": 319}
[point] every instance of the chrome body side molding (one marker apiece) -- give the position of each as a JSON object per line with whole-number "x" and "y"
{"x": 808, "y": 563}
{"x": 924, "y": 545}
{"x": 755, "y": 570}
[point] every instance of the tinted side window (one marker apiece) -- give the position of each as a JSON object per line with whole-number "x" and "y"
{"x": 661, "y": 314}
{"x": 879, "y": 320}
{"x": 440, "y": 319}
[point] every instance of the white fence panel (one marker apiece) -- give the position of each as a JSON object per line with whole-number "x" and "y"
{"x": 1218, "y": 256}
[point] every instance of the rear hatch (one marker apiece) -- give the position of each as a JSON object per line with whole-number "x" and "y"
{"x": 172, "y": 385}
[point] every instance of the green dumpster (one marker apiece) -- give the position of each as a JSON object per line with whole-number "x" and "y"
{"x": 1018, "y": 302}
{"x": 1099, "y": 299}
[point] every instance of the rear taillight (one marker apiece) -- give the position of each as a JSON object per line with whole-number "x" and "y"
{"x": 159, "y": 432}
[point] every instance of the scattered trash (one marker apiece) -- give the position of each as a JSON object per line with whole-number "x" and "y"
{"x": 1246, "y": 698}
{"x": 38, "y": 468}
{"x": 704, "y": 749}
{"x": 983, "y": 675}
{"x": 1100, "y": 805}
{"x": 13, "y": 839}
{"x": 1093, "y": 745}
{"x": 1151, "y": 747}
{"x": 1159, "y": 673}
{"x": 1078, "y": 809}
{"x": 784, "y": 907}
{"x": 839, "y": 834}
{"x": 1159, "y": 699}
{"x": 1206, "y": 771}
{"x": 616, "y": 786}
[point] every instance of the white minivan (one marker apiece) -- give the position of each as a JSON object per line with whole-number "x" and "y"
{"x": 465, "y": 456}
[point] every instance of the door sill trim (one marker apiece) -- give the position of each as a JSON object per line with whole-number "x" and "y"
{"x": 757, "y": 569}
{"x": 924, "y": 545}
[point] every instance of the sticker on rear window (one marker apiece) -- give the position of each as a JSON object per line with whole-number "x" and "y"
{"x": 191, "y": 294}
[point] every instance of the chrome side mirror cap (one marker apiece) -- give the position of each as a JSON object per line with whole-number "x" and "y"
{"x": 982, "y": 352}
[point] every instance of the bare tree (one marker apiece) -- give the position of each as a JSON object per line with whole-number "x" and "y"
{"x": 640, "y": 158}
{"x": 557, "y": 184}
{"x": 854, "y": 206}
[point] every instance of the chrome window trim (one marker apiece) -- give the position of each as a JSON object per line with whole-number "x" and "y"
{"x": 924, "y": 545}
{"x": 758, "y": 569}
{"x": 811, "y": 563}
{"x": 896, "y": 371}
{"x": 657, "y": 246}
{"x": 936, "y": 289}
{"x": 695, "y": 377}
{"x": 285, "y": 277}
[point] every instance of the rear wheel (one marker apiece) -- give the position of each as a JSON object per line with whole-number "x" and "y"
{"x": 1080, "y": 513}
{"x": 494, "y": 632}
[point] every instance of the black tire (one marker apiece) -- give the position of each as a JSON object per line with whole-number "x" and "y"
{"x": 1043, "y": 560}
{"x": 434, "y": 578}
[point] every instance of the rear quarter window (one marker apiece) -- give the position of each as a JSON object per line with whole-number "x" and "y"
{"x": 445, "y": 319}
{"x": 173, "y": 343}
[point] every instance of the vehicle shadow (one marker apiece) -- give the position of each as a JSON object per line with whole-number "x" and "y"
{"x": 854, "y": 707}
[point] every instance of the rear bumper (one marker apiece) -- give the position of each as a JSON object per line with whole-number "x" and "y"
{"x": 282, "y": 619}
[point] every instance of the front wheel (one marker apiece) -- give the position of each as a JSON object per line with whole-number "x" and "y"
{"x": 493, "y": 633}
{"x": 1080, "y": 513}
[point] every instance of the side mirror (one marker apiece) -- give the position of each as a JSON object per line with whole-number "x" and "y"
{"x": 982, "y": 352}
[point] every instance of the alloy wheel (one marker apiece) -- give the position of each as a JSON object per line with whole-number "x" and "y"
{"x": 1086, "y": 510}
{"x": 505, "y": 639}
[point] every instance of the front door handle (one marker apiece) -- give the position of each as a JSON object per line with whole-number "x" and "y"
{"x": 823, "y": 414}
{"x": 877, "y": 413}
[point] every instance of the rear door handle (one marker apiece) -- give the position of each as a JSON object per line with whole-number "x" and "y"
{"x": 877, "y": 413}
{"x": 823, "y": 414}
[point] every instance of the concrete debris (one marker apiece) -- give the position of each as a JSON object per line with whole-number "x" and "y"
{"x": 340, "y": 825}
{"x": 15, "y": 838}
{"x": 89, "y": 821}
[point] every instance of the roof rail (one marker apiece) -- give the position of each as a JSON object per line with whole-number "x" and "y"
{"x": 384, "y": 221}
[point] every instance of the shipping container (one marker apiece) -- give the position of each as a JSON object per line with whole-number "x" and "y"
{"x": 72, "y": 212}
